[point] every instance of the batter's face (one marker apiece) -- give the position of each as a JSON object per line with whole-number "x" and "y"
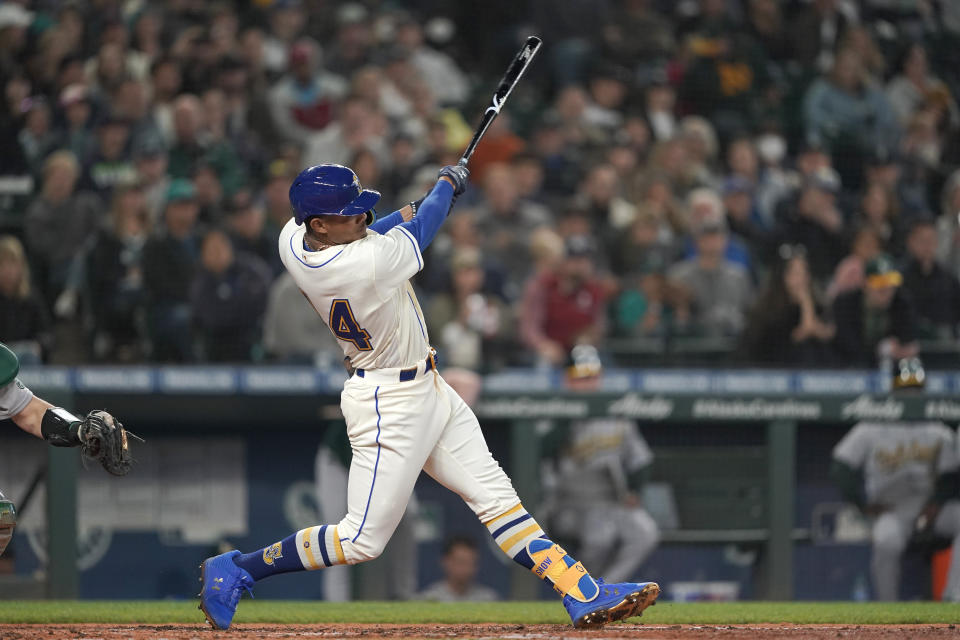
{"x": 340, "y": 229}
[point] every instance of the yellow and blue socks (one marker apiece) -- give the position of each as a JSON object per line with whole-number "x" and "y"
{"x": 307, "y": 549}
{"x": 520, "y": 537}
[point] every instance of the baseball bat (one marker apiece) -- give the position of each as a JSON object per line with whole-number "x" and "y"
{"x": 509, "y": 81}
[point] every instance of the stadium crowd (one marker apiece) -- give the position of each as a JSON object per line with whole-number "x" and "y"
{"x": 781, "y": 178}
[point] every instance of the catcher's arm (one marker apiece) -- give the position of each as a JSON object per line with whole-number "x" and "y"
{"x": 100, "y": 437}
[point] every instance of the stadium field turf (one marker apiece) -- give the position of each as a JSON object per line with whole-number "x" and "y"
{"x": 310, "y": 612}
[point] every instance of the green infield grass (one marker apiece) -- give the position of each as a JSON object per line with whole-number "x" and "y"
{"x": 285, "y": 611}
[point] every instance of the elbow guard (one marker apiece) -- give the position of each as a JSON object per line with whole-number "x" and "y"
{"x": 60, "y": 428}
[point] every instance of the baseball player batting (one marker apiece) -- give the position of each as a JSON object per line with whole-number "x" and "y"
{"x": 402, "y": 416}
{"x": 100, "y": 436}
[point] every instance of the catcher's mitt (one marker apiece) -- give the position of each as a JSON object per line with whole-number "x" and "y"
{"x": 104, "y": 440}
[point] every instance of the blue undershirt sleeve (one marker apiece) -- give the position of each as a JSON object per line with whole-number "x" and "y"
{"x": 386, "y": 223}
{"x": 431, "y": 214}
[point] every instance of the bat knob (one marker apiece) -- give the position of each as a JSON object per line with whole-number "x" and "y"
{"x": 462, "y": 162}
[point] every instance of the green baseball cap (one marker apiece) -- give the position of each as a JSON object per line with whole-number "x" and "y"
{"x": 180, "y": 189}
{"x": 881, "y": 272}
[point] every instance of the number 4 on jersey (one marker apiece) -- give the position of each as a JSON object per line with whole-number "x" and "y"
{"x": 345, "y": 326}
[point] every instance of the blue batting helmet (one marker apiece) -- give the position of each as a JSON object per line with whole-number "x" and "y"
{"x": 330, "y": 190}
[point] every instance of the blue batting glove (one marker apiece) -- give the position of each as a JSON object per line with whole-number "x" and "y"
{"x": 459, "y": 174}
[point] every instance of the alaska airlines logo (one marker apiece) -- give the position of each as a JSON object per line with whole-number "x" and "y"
{"x": 543, "y": 566}
{"x": 272, "y": 552}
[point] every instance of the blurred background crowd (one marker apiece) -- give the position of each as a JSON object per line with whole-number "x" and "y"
{"x": 776, "y": 182}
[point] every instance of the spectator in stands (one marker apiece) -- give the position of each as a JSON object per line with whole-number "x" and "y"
{"x": 228, "y": 298}
{"x": 361, "y": 126}
{"x": 847, "y": 113}
{"x": 169, "y": 263}
{"x": 111, "y": 165}
{"x": 948, "y": 225}
{"x": 474, "y": 327}
{"x": 565, "y": 305}
{"x": 815, "y": 32}
{"x": 504, "y": 222}
{"x": 600, "y": 198}
{"x": 916, "y": 89}
{"x": 813, "y": 220}
{"x": 74, "y": 215}
{"x": 711, "y": 294}
{"x": 245, "y": 221}
{"x": 788, "y": 324}
{"x": 37, "y": 138}
{"x": 641, "y": 260}
{"x": 76, "y": 135}
{"x": 194, "y": 146}
{"x": 636, "y": 31}
{"x": 114, "y": 274}
{"x": 879, "y": 318}
{"x": 935, "y": 292}
{"x": 446, "y": 81}
{"x": 705, "y": 209}
{"x": 851, "y": 271}
{"x": 165, "y": 84}
{"x": 150, "y": 159}
{"x": 879, "y": 211}
{"x": 460, "y": 562}
{"x": 24, "y": 322}
{"x": 292, "y": 331}
{"x": 302, "y": 102}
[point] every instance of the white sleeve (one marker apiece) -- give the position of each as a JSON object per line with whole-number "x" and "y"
{"x": 396, "y": 259}
{"x": 852, "y": 450}
{"x": 14, "y": 398}
{"x": 947, "y": 461}
{"x": 637, "y": 454}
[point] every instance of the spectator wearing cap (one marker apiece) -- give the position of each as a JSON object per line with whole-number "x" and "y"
{"x": 114, "y": 278}
{"x": 565, "y": 305}
{"x": 788, "y": 325}
{"x": 935, "y": 292}
{"x": 150, "y": 160}
{"x": 355, "y": 39}
{"x": 607, "y": 88}
{"x": 475, "y": 328}
{"x": 710, "y": 292}
{"x": 847, "y": 113}
{"x": 228, "y": 297}
{"x": 246, "y": 223}
{"x": 814, "y": 221}
{"x": 111, "y": 164}
{"x": 131, "y": 102}
{"x": 14, "y": 21}
{"x": 705, "y": 209}
{"x": 76, "y": 135}
{"x": 878, "y": 317}
{"x": 196, "y": 146}
{"x": 169, "y": 263}
{"x": 60, "y": 222}
{"x": 302, "y": 102}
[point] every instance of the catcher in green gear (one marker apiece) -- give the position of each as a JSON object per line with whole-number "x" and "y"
{"x": 100, "y": 436}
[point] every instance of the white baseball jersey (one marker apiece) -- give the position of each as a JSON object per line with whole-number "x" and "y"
{"x": 362, "y": 291}
{"x": 900, "y": 460}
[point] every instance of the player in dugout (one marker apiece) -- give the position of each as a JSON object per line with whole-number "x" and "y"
{"x": 402, "y": 416}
